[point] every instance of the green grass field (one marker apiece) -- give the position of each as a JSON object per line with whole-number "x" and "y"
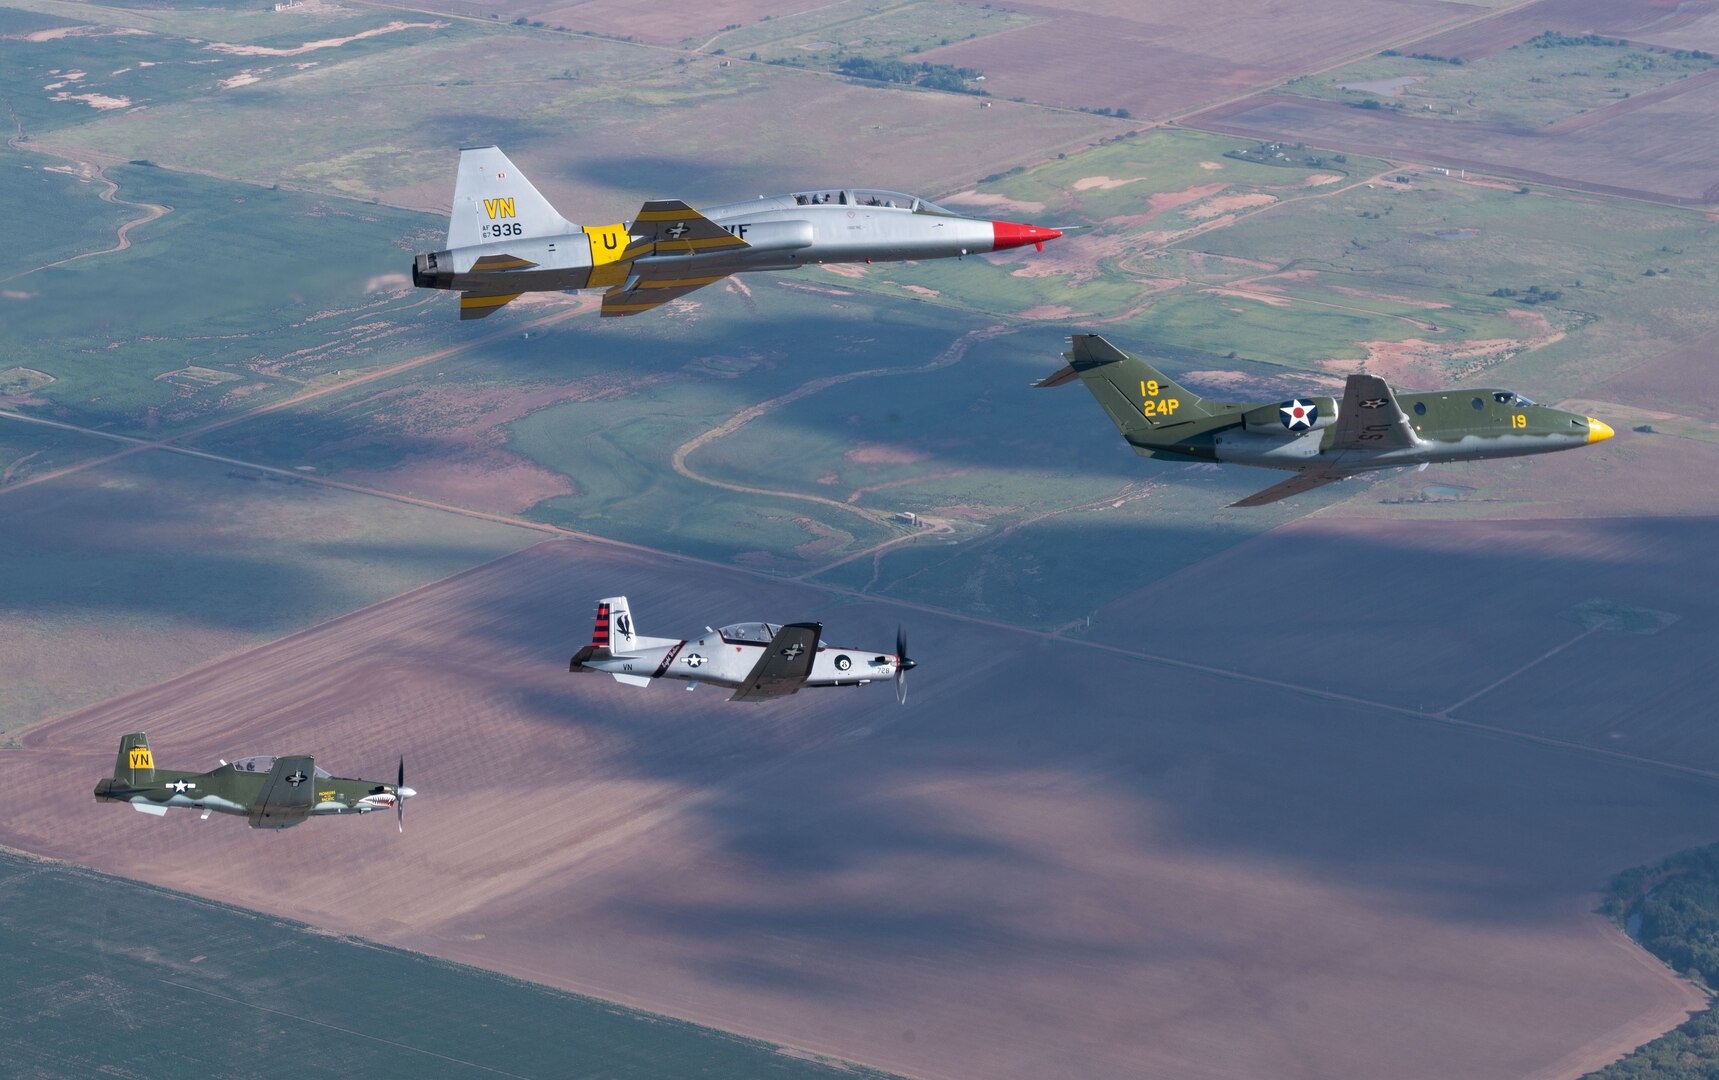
{"x": 64, "y": 217}
{"x": 278, "y": 288}
{"x": 1521, "y": 85}
{"x": 106, "y": 976}
{"x": 29, "y": 450}
{"x": 150, "y": 57}
{"x": 825, "y": 36}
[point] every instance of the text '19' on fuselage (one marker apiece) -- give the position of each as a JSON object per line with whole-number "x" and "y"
{"x": 1319, "y": 439}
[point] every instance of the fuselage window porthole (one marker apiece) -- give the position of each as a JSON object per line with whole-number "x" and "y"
{"x": 1420, "y": 408}
{"x": 1479, "y": 404}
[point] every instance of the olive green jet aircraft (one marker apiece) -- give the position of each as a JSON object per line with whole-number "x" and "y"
{"x": 1320, "y": 439}
{"x": 274, "y": 792}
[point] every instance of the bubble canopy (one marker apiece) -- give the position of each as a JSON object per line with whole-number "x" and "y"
{"x": 262, "y": 763}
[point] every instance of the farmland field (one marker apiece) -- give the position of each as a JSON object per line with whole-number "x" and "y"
{"x": 1197, "y": 52}
{"x": 1180, "y": 789}
{"x": 601, "y": 125}
{"x": 94, "y": 963}
{"x": 1639, "y": 148}
{"x": 825, "y": 36}
{"x": 1528, "y": 85}
{"x": 192, "y": 561}
{"x": 179, "y": 328}
{"x": 837, "y": 871}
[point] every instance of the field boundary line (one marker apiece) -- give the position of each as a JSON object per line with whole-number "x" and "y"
{"x": 1490, "y": 687}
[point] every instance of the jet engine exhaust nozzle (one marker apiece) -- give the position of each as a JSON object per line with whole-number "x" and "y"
{"x": 434, "y": 270}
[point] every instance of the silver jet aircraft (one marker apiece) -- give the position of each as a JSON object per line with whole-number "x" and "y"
{"x": 760, "y": 660}
{"x": 504, "y": 239}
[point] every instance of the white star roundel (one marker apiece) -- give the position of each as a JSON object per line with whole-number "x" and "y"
{"x": 1298, "y": 415}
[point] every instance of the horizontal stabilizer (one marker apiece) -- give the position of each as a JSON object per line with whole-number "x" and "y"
{"x": 152, "y": 809}
{"x": 480, "y": 305}
{"x": 489, "y": 263}
{"x": 1064, "y": 374}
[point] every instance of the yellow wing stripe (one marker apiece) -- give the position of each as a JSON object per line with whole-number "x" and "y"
{"x": 501, "y": 262}
{"x": 469, "y": 301}
{"x": 678, "y": 283}
{"x": 670, "y": 215}
{"x": 722, "y": 241}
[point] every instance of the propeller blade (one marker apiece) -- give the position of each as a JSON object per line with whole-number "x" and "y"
{"x": 902, "y": 664}
{"x": 400, "y": 799}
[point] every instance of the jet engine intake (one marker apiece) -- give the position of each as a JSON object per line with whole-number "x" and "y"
{"x": 1293, "y": 417}
{"x": 774, "y": 235}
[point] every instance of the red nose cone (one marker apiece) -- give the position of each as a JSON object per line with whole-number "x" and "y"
{"x": 1007, "y": 234}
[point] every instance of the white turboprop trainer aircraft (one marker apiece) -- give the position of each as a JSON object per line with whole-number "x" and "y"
{"x": 760, "y": 660}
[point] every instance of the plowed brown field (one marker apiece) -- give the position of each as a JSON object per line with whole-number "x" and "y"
{"x": 1661, "y": 150}
{"x": 1056, "y": 861}
{"x": 1163, "y": 58}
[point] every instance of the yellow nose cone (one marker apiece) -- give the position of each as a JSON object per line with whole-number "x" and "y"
{"x": 1599, "y": 430}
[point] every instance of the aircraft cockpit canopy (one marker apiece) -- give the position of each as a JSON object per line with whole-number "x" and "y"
{"x": 752, "y": 633}
{"x": 1511, "y": 397}
{"x": 264, "y": 762}
{"x": 894, "y": 200}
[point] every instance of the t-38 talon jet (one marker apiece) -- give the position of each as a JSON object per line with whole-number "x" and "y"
{"x": 505, "y": 239}
{"x": 274, "y": 792}
{"x": 760, "y": 660}
{"x": 1320, "y": 439}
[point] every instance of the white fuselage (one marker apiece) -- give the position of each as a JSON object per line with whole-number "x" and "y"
{"x": 726, "y": 661}
{"x": 780, "y": 234}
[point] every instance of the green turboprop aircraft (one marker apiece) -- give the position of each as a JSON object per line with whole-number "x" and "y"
{"x": 274, "y": 792}
{"x": 1320, "y": 439}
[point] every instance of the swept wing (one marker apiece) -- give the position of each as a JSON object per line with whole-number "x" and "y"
{"x": 1295, "y": 485}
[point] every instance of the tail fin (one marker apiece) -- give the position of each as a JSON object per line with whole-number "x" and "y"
{"x": 1138, "y": 397}
{"x": 135, "y": 766}
{"x": 614, "y": 625}
{"x": 493, "y": 201}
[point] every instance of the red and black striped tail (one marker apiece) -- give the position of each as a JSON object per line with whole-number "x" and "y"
{"x": 600, "y": 635}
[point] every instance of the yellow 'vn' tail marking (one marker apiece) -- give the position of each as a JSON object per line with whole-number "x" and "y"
{"x": 140, "y": 758}
{"x": 499, "y": 208}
